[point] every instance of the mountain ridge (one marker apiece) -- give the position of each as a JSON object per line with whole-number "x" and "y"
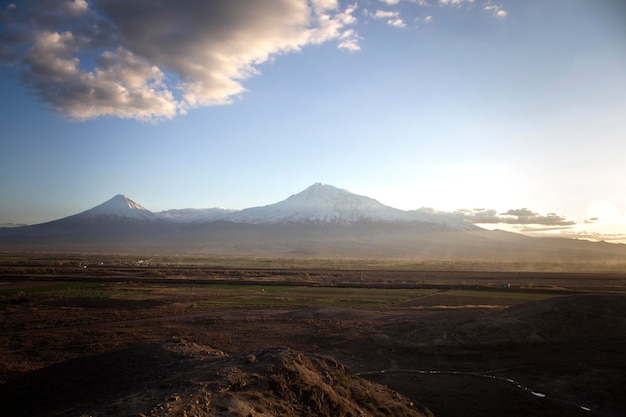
{"x": 321, "y": 221}
{"x": 318, "y": 204}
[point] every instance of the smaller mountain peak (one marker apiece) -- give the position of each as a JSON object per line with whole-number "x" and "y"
{"x": 125, "y": 201}
{"x": 120, "y": 206}
{"x": 319, "y": 185}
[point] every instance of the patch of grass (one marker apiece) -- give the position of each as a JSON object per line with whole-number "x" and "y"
{"x": 82, "y": 293}
{"x": 514, "y": 295}
{"x": 248, "y": 295}
{"x": 68, "y": 289}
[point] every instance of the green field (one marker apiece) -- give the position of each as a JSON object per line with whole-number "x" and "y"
{"x": 67, "y": 289}
{"x": 222, "y": 295}
{"x": 314, "y": 296}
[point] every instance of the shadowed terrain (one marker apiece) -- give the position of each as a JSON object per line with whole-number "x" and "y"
{"x": 178, "y": 378}
{"x": 274, "y": 342}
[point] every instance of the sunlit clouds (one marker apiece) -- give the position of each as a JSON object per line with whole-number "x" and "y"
{"x": 156, "y": 60}
{"x": 605, "y": 219}
{"x": 522, "y": 216}
{"x": 159, "y": 59}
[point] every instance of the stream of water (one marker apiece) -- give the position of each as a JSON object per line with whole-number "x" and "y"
{"x": 485, "y": 374}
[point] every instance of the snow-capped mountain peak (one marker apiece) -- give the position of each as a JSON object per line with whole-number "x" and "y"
{"x": 190, "y": 215}
{"x": 323, "y": 203}
{"x": 320, "y": 193}
{"x": 119, "y": 206}
{"x": 318, "y": 204}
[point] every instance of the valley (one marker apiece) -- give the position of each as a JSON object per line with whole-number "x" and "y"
{"x": 444, "y": 335}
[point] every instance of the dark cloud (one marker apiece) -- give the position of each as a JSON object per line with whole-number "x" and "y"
{"x": 522, "y": 216}
{"x": 479, "y": 216}
{"x": 607, "y": 237}
{"x": 150, "y": 59}
{"x": 520, "y": 213}
{"x": 531, "y": 229}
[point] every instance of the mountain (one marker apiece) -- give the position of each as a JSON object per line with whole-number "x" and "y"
{"x": 321, "y": 221}
{"x": 195, "y": 215}
{"x": 119, "y": 224}
{"x": 322, "y": 203}
{"x": 119, "y": 207}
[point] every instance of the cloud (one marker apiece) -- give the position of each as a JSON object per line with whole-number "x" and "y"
{"x": 349, "y": 41}
{"x": 539, "y": 229}
{"x": 457, "y": 3}
{"x": 395, "y": 2}
{"x": 393, "y": 18}
{"x": 156, "y": 59}
{"x": 497, "y": 11}
{"x": 522, "y": 216}
{"x": 382, "y": 14}
{"x": 396, "y": 22}
{"x": 531, "y": 223}
{"x": 595, "y": 236}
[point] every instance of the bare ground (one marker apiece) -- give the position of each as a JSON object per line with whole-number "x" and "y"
{"x": 112, "y": 356}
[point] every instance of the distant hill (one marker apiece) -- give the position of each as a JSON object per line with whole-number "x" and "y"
{"x": 321, "y": 221}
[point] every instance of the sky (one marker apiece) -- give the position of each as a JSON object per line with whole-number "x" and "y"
{"x": 509, "y": 113}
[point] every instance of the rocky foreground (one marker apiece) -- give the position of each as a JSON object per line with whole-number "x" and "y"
{"x": 180, "y": 378}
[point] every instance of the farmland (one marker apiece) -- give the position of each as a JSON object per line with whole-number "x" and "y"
{"x": 554, "y": 330}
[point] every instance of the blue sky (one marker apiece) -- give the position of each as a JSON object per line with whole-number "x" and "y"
{"x": 481, "y": 106}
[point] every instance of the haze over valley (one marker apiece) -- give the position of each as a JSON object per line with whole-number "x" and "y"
{"x": 320, "y": 221}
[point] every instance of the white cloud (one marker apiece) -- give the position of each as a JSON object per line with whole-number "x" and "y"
{"x": 382, "y": 14}
{"x": 396, "y": 2}
{"x": 393, "y": 18}
{"x": 397, "y": 22}
{"x": 349, "y": 41}
{"x": 76, "y": 6}
{"x": 160, "y": 58}
{"x": 497, "y": 11}
{"x": 454, "y": 2}
{"x": 324, "y": 4}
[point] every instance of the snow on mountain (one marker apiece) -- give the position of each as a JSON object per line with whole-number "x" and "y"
{"x": 190, "y": 215}
{"x": 318, "y": 204}
{"x": 119, "y": 206}
{"x": 322, "y": 203}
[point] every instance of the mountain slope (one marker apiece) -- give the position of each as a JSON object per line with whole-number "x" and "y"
{"x": 118, "y": 207}
{"x": 195, "y": 215}
{"x": 116, "y": 224}
{"x": 321, "y": 221}
{"x": 322, "y": 203}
